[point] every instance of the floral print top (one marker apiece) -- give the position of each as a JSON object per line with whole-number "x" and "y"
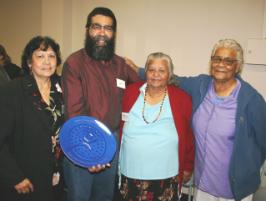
{"x": 54, "y": 111}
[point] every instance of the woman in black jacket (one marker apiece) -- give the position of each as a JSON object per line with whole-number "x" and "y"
{"x": 31, "y": 115}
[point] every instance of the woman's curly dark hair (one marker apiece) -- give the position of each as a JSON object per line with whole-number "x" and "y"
{"x": 39, "y": 42}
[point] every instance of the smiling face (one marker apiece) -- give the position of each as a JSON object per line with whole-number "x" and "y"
{"x": 101, "y": 29}
{"x": 157, "y": 73}
{"x": 100, "y": 38}
{"x": 43, "y": 63}
{"x": 224, "y": 65}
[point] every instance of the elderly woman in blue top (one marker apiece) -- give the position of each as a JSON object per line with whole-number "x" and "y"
{"x": 229, "y": 127}
{"x": 157, "y": 145}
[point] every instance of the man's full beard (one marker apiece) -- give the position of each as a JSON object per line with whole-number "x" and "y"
{"x": 100, "y": 53}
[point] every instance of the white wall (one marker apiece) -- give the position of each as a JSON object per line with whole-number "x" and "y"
{"x": 20, "y": 21}
{"x": 264, "y": 22}
{"x": 184, "y": 29}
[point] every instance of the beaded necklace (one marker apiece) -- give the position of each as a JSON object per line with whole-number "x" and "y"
{"x": 161, "y": 107}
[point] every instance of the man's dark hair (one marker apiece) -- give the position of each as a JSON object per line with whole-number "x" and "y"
{"x": 42, "y": 42}
{"x": 101, "y": 11}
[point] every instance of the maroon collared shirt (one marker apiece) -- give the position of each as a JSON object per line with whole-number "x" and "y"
{"x": 90, "y": 87}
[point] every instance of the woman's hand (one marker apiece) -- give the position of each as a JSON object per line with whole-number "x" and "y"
{"x": 24, "y": 187}
{"x": 131, "y": 64}
{"x": 98, "y": 168}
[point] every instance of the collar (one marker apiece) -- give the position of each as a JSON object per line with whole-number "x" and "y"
{"x": 142, "y": 89}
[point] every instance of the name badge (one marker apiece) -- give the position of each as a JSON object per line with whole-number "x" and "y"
{"x": 124, "y": 116}
{"x": 120, "y": 83}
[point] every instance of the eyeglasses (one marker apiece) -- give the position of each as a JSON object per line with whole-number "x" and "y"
{"x": 226, "y": 61}
{"x": 98, "y": 27}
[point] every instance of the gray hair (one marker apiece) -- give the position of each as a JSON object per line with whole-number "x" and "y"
{"x": 170, "y": 66}
{"x": 231, "y": 44}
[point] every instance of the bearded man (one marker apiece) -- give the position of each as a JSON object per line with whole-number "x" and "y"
{"x": 94, "y": 79}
